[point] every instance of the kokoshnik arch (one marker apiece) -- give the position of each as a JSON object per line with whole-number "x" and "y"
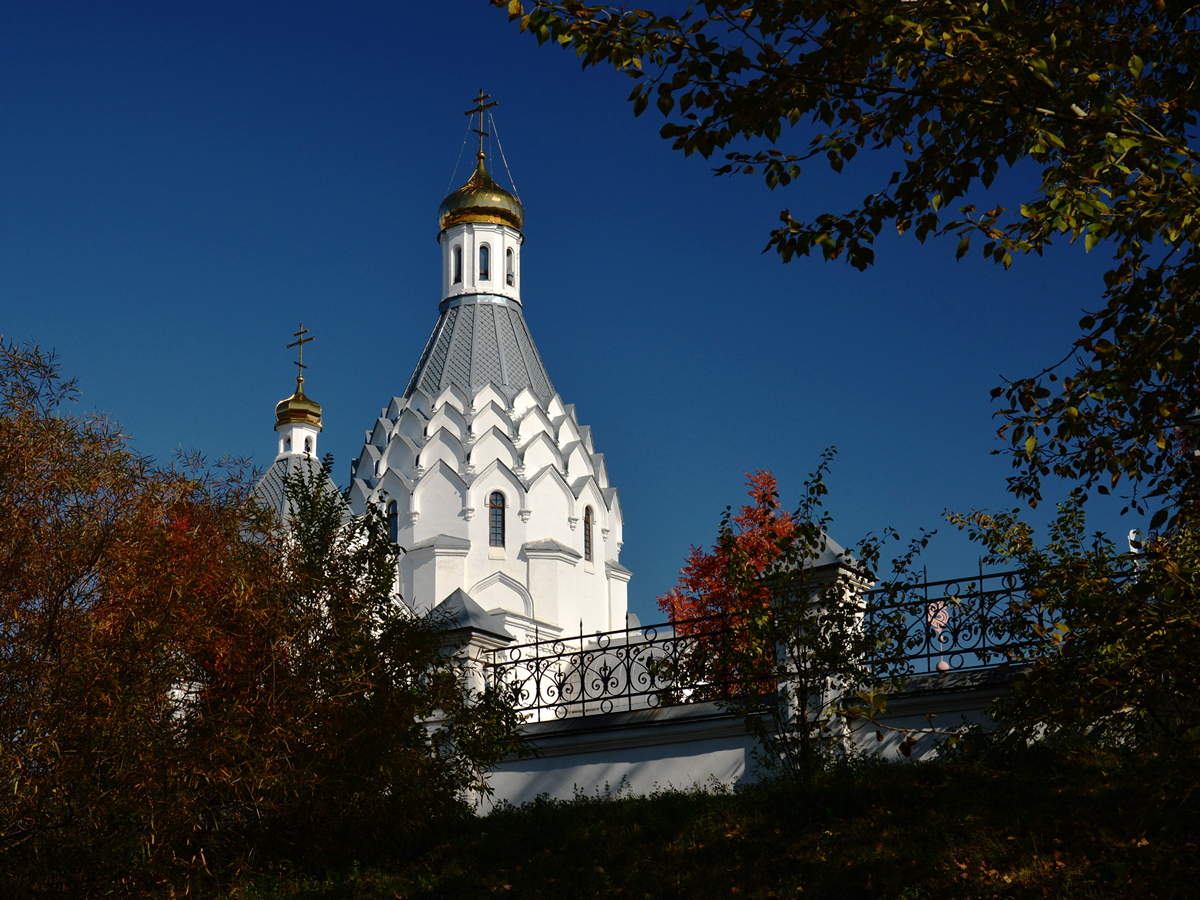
{"x": 491, "y": 486}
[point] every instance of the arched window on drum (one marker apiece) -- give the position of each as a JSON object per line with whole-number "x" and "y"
{"x": 496, "y": 519}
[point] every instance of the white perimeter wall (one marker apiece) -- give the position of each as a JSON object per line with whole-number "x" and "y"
{"x": 629, "y": 754}
{"x": 701, "y": 746}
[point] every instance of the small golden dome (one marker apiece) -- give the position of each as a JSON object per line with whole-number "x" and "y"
{"x": 298, "y": 409}
{"x": 481, "y": 199}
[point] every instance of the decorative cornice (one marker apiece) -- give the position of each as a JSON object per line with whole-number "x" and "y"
{"x": 615, "y": 570}
{"x": 551, "y": 549}
{"x": 443, "y": 545}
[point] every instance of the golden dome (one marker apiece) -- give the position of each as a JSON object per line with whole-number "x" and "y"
{"x": 481, "y": 199}
{"x": 298, "y": 409}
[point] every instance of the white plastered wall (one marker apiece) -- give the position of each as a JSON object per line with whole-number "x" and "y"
{"x": 441, "y": 476}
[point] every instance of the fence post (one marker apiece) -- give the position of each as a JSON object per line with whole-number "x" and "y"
{"x": 470, "y": 634}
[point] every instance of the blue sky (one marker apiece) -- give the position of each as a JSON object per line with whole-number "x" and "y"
{"x": 182, "y": 185}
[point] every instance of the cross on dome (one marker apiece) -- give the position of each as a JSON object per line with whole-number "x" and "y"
{"x": 480, "y": 107}
{"x": 481, "y": 199}
{"x": 301, "y": 339}
{"x": 299, "y": 408}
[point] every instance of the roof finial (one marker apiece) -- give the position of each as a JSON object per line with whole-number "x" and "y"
{"x": 480, "y": 107}
{"x": 302, "y": 338}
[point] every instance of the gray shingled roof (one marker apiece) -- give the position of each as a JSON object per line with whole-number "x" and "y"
{"x": 477, "y": 341}
{"x": 269, "y": 489}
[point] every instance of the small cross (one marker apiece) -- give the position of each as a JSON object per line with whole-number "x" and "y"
{"x": 481, "y": 105}
{"x": 302, "y": 338}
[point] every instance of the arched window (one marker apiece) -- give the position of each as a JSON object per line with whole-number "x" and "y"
{"x": 287, "y": 445}
{"x": 587, "y": 534}
{"x": 457, "y": 264}
{"x": 496, "y": 519}
{"x": 308, "y": 446}
{"x": 393, "y": 522}
{"x": 510, "y": 273}
{"x": 485, "y": 258}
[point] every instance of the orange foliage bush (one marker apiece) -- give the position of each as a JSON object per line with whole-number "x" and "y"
{"x": 186, "y": 691}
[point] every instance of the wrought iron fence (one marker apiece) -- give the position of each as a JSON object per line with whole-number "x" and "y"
{"x": 954, "y": 625}
{"x": 630, "y": 668}
{"x": 924, "y": 628}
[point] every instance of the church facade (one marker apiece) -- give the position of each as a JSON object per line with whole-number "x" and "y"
{"x": 491, "y": 486}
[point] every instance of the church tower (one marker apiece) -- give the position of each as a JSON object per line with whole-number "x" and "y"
{"x": 298, "y": 422}
{"x": 490, "y": 484}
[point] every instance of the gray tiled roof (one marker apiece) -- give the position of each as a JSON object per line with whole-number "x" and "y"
{"x": 269, "y": 489}
{"x": 477, "y": 341}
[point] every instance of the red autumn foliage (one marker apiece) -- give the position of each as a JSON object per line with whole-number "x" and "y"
{"x": 728, "y": 578}
{"x": 725, "y": 592}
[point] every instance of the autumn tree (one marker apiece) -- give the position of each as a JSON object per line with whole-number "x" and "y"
{"x": 723, "y": 594}
{"x": 1098, "y": 100}
{"x": 774, "y": 624}
{"x": 188, "y": 690}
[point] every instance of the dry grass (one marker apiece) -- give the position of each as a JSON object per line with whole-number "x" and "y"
{"x": 1044, "y": 825}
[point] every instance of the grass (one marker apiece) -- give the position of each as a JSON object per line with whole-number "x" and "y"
{"x": 1044, "y": 825}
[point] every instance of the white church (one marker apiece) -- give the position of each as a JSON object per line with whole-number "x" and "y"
{"x": 510, "y": 532}
{"x": 492, "y": 488}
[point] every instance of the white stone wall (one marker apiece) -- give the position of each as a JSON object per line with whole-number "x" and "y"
{"x": 707, "y": 746}
{"x": 630, "y": 754}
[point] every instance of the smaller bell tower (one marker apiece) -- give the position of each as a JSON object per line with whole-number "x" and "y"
{"x": 298, "y": 417}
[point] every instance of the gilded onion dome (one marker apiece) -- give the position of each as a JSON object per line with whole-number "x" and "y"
{"x": 481, "y": 199}
{"x": 298, "y": 408}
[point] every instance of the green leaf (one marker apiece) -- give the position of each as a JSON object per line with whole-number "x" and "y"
{"x": 1030, "y": 444}
{"x": 1136, "y": 64}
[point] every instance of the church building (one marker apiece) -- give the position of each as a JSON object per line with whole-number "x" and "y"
{"x": 491, "y": 486}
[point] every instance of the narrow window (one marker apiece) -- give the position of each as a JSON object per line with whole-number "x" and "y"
{"x": 457, "y": 264}
{"x": 308, "y": 446}
{"x": 509, "y": 273}
{"x": 496, "y": 519}
{"x": 485, "y": 254}
{"x": 587, "y": 534}
{"x": 393, "y": 522}
{"x": 287, "y": 445}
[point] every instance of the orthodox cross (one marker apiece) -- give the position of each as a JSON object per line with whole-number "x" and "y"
{"x": 481, "y": 105}
{"x": 302, "y": 338}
